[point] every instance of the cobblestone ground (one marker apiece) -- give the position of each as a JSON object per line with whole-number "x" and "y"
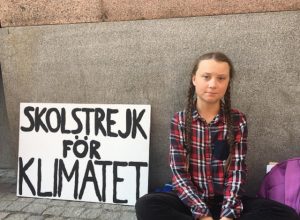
{"x": 13, "y": 207}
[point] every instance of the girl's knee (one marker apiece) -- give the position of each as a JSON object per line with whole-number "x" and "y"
{"x": 143, "y": 206}
{"x": 146, "y": 201}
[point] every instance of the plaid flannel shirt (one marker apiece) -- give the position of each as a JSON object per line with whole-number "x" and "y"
{"x": 206, "y": 177}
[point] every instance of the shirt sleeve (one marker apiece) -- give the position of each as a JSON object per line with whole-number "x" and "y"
{"x": 181, "y": 178}
{"x": 236, "y": 176}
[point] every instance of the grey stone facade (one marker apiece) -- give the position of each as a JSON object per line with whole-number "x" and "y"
{"x": 149, "y": 62}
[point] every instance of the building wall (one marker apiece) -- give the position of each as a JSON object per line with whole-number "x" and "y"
{"x": 149, "y": 62}
{"x": 7, "y": 153}
{"x": 23, "y": 12}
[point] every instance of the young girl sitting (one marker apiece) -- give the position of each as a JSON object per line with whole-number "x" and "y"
{"x": 208, "y": 145}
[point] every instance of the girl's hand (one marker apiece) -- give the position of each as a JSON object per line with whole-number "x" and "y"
{"x": 206, "y": 218}
{"x": 225, "y": 218}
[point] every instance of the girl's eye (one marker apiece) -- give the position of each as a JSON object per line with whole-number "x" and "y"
{"x": 205, "y": 77}
{"x": 221, "y": 78}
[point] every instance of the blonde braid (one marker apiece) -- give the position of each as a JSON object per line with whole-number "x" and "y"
{"x": 230, "y": 129}
{"x": 188, "y": 118}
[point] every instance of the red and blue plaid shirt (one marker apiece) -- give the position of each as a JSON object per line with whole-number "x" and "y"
{"x": 209, "y": 151}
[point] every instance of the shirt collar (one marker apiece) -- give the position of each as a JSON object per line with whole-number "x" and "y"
{"x": 219, "y": 117}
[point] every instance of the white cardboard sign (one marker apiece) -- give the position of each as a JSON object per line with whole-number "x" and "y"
{"x": 84, "y": 152}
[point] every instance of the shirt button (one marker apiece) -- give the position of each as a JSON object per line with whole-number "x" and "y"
{"x": 209, "y": 177}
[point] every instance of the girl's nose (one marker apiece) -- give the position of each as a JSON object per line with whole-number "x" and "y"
{"x": 212, "y": 83}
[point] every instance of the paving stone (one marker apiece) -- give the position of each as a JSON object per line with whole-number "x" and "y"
{"x": 16, "y": 206}
{"x": 4, "y": 179}
{"x": 2, "y": 172}
{"x": 75, "y": 204}
{"x": 3, "y": 215}
{"x": 126, "y": 208}
{"x": 55, "y": 210}
{"x": 10, "y": 197}
{"x": 17, "y": 216}
{"x": 91, "y": 213}
{"x": 4, "y": 204}
{"x": 10, "y": 179}
{"x": 93, "y": 205}
{"x": 11, "y": 173}
{"x": 74, "y": 218}
{"x": 35, "y": 208}
{"x": 25, "y": 199}
{"x": 110, "y": 206}
{"x": 128, "y": 215}
{"x": 55, "y": 202}
{"x": 35, "y": 217}
{"x": 42, "y": 201}
{"x": 72, "y": 212}
{"x": 108, "y": 215}
{"x": 54, "y": 218}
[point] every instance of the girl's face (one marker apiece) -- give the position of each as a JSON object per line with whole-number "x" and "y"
{"x": 211, "y": 81}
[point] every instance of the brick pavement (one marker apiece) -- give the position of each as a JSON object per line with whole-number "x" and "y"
{"x": 13, "y": 207}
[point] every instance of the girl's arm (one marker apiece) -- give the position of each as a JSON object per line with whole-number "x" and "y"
{"x": 236, "y": 175}
{"x": 181, "y": 179}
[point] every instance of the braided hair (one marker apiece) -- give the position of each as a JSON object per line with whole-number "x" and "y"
{"x": 219, "y": 57}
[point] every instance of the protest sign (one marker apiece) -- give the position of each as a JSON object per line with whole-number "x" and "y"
{"x": 87, "y": 152}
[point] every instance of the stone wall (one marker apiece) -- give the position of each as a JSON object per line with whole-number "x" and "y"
{"x": 149, "y": 62}
{"x": 7, "y": 152}
{"x": 41, "y": 12}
